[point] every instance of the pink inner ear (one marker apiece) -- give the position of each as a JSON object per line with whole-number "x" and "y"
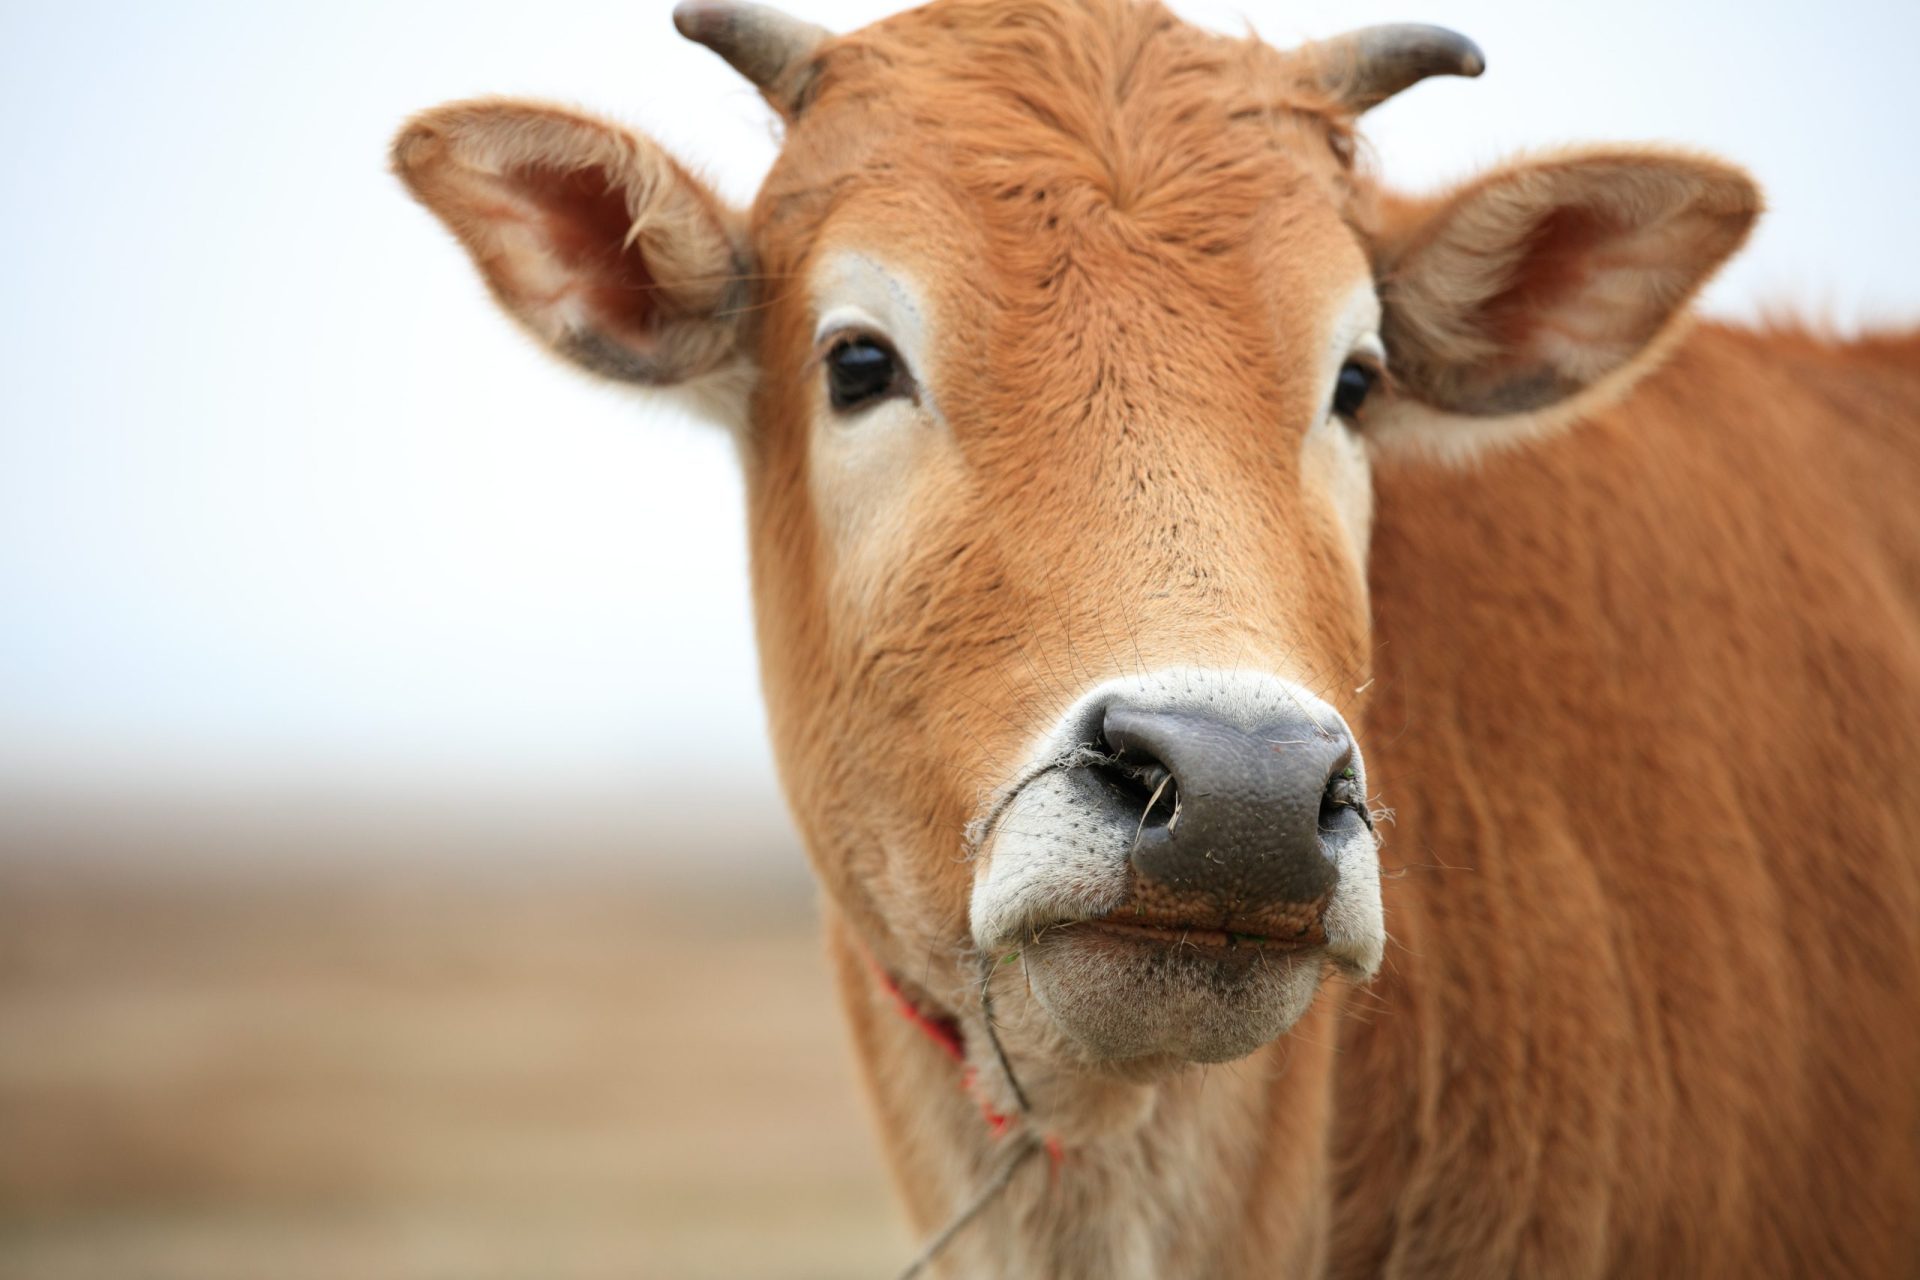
{"x": 585, "y": 217}
{"x": 1558, "y": 261}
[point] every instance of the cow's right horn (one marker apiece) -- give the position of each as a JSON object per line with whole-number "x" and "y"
{"x": 1363, "y": 68}
{"x": 763, "y": 44}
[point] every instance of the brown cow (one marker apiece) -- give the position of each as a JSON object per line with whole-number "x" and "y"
{"x": 1121, "y": 461}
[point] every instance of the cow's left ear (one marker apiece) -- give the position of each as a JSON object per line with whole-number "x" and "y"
{"x": 601, "y": 244}
{"x": 1539, "y": 290}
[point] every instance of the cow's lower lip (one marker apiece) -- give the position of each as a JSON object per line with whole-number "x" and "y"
{"x": 1132, "y": 991}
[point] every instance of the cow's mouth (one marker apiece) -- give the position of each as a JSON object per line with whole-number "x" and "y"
{"x": 1198, "y": 935}
{"x": 1155, "y": 913}
{"x": 1168, "y": 976}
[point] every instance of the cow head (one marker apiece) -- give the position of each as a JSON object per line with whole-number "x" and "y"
{"x": 1060, "y": 343}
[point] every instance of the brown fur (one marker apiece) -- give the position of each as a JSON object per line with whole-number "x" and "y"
{"x": 1643, "y": 693}
{"x": 1652, "y": 1011}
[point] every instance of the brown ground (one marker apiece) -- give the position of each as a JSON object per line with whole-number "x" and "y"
{"x": 526, "y": 1069}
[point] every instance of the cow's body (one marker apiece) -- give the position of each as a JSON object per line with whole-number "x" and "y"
{"x": 1696, "y": 830}
{"x": 1120, "y": 455}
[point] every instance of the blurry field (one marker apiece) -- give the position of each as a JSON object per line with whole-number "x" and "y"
{"x": 395, "y": 1064}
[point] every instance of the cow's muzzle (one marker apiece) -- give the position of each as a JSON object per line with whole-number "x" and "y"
{"x": 1178, "y": 862}
{"x": 1238, "y": 824}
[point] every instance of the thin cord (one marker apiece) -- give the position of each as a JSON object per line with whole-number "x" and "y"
{"x": 999, "y": 1182}
{"x": 1021, "y": 1153}
{"x": 993, "y": 1036}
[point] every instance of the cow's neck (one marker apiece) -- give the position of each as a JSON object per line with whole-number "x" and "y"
{"x": 1215, "y": 1171}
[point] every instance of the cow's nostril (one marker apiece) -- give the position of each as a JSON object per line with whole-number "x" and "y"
{"x": 1142, "y": 784}
{"x": 1342, "y": 805}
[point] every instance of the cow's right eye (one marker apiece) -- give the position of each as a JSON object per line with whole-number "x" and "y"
{"x": 861, "y": 370}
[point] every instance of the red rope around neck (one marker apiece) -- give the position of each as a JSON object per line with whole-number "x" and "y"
{"x": 944, "y": 1031}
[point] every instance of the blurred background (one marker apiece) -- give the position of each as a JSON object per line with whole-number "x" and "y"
{"x": 393, "y": 879}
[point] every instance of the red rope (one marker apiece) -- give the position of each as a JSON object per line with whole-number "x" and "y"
{"x": 944, "y": 1031}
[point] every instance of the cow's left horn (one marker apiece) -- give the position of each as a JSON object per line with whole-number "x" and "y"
{"x": 762, "y": 43}
{"x": 1363, "y": 68}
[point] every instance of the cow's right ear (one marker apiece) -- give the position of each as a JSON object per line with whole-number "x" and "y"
{"x": 592, "y": 236}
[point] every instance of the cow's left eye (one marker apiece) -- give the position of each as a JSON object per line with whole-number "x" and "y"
{"x": 859, "y": 370}
{"x": 1351, "y": 388}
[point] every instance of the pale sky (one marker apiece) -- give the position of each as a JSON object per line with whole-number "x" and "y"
{"x": 281, "y": 494}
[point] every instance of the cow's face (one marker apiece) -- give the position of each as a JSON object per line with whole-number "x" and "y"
{"x": 1060, "y": 341}
{"x": 1059, "y": 532}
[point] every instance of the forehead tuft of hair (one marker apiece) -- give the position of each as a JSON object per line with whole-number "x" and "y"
{"x": 1116, "y": 99}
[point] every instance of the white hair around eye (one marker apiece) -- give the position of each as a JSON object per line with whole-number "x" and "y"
{"x": 855, "y": 293}
{"x": 1353, "y": 334}
{"x": 1334, "y": 461}
{"x": 878, "y": 457}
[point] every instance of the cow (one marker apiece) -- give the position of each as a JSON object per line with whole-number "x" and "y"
{"x": 1341, "y": 733}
